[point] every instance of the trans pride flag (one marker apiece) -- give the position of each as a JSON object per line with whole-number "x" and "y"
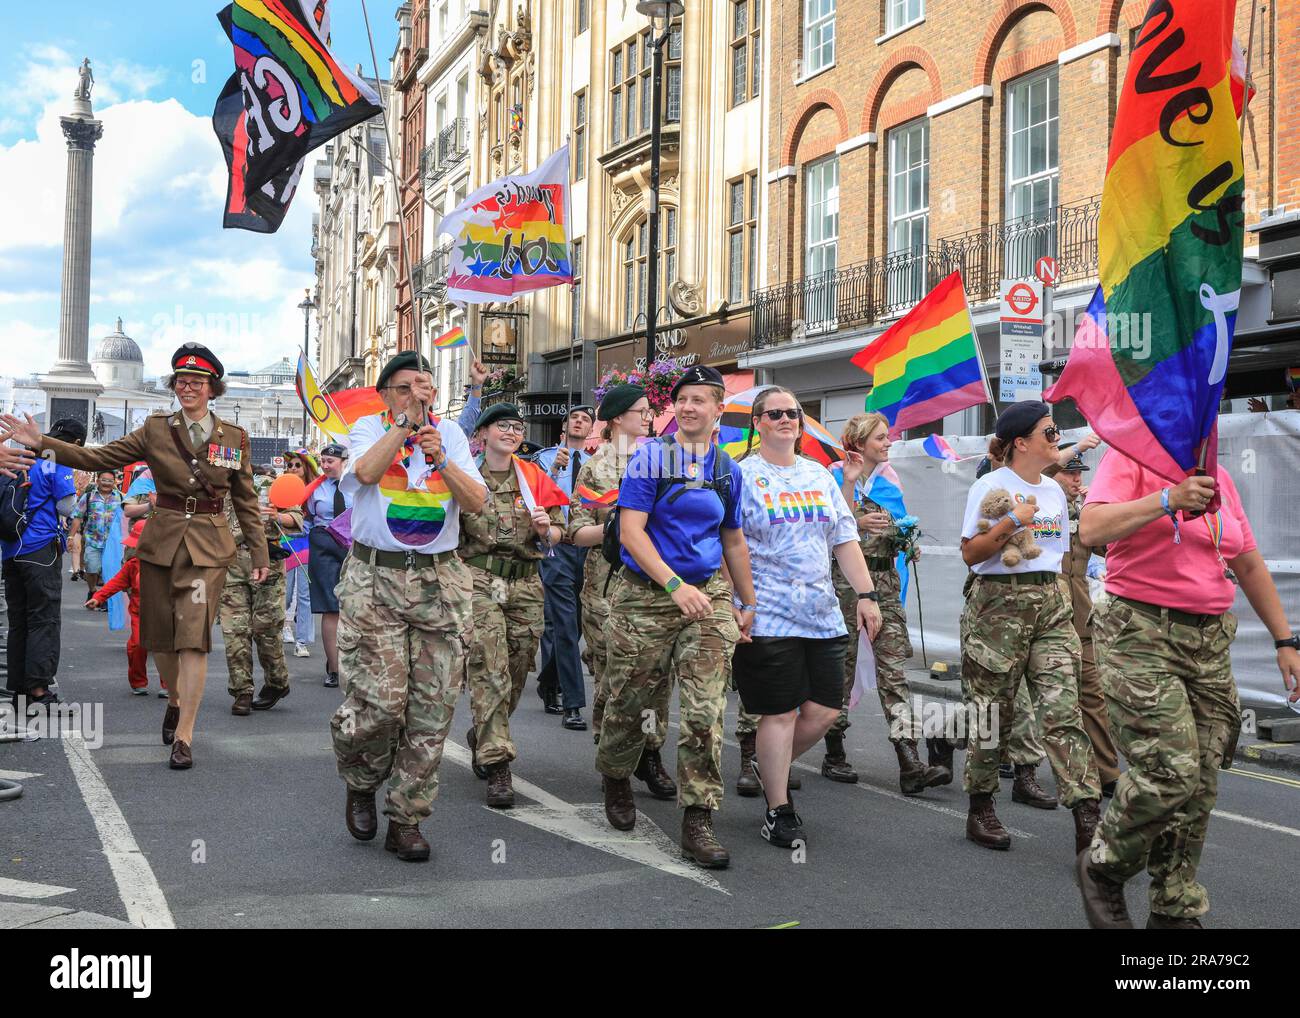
{"x": 510, "y": 236}
{"x": 1150, "y": 356}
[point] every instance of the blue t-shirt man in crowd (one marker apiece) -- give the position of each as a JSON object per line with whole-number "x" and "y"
{"x": 671, "y": 613}
{"x": 33, "y": 574}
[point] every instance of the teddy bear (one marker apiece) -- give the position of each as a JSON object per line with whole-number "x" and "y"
{"x": 1021, "y": 545}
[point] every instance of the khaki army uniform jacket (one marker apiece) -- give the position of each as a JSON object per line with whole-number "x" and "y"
{"x": 601, "y": 472}
{"x": 1074, "y": 573}
{"x": 207, "y": 536}
{"x": 504, "y": 529}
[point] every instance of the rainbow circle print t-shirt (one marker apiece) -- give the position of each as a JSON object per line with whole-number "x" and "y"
{"x": 411, "y": 508}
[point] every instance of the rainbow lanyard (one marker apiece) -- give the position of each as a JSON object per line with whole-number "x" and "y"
{"x": 408, "y": 446}
{"x": 1214, "y": 524}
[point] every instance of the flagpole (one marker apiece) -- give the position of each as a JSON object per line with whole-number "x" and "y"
{"x": 1245, "y": 84}
{"x": 920, "y": 615}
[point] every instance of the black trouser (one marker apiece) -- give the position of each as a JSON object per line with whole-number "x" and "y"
{"x": 34, "y": 590}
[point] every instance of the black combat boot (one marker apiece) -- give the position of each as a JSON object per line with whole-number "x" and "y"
{"x": 835, "y": 764}
{"x": 913, "y": 776}
{"x": 650, "y": 769}
{"x": 939, "y": 753}
{"x": 747, "y": 783}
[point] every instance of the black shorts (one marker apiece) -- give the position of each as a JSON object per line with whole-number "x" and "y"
{"x": 777, "y": 674}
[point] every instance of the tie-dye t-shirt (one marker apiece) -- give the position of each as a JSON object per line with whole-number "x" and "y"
{"x": 792, "y": 517}
{"x": 411, "y": 508}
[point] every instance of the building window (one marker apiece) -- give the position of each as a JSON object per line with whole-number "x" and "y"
{"x": 818, "y": 35}
{"x": 580, "y": 135}
{"x": 746, "y": 50}
{"x": 822, "y": 234}
{"x": 636, "y": 250}
{"x": 901, "y": 13}
{"x": 575, "y": 307}
{"x": 909, "y": 210}
{"x": 742, "y": 237}
{"x": 632, "y": 85}
{"x": 583, "y": 20}
{"x": 1033, "y": 171}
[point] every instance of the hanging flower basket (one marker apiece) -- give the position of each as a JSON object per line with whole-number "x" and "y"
{"x": 658, "y": 384}
{"x": 508, "y": 379}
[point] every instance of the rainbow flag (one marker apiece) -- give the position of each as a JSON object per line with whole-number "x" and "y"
{"x": 295, "y": 92}
{"x": 538, "y": 490}
{"x": 593, "y": 499}
{"x": 511, "y": 235}
{"x": 1293, "y": 379}
{"x": 334, "y": 412}
{"x": 1150, "y": 356}
{"x": 450, "y": 340}
{"x": 297, "y": 548}
{"x": 927, "y": 364}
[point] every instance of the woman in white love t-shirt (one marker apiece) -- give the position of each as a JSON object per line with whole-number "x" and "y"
{"x": 1018, "y": 625}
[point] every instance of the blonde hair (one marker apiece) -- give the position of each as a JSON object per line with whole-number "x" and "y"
{"x": 858, "y": 429}
{"x": 760, "y": 401}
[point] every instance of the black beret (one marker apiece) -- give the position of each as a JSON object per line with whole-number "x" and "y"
{"x": 1076, "y": 461}
{"x": 407, "y": 360}
{"x": 336, "y": 450}
{"x": 197, "y": 359}
{"x": 498, "y": 412}
{"x": 590, "y": 411}
{"x": 618, "y": 400}
{"x": 68, "y": 429}
{"x": 1018, "y": 419}
{"x": 527, "y": 450}
{"x": 698, "y": 375}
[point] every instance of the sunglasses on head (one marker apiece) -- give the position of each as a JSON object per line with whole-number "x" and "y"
{"x": 793, "y": 414}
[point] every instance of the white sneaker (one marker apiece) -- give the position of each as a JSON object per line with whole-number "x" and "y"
{"x": 300, "y": 650}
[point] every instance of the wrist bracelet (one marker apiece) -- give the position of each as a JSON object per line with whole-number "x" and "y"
{"x": 1171, "y": 513}
{"x": 870, "y": 595}
{"x": 749, "y": 608}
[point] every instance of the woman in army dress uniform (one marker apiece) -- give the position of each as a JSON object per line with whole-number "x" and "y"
{"x": 626, "y": 412}
{"x": 502, "y": 545}
{"x": 196, "y": 459}
{"x": 866, "y": 440}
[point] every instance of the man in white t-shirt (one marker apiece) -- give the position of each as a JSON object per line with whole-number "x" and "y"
{"x": 404, "y": 605}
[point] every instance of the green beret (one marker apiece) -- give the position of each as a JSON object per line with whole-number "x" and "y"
{"x": 407, "y": 360}
{"x": 618, "y": 401}
{"x": 498, "y": 412}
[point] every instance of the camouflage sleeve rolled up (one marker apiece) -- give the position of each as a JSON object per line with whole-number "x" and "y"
{"x": 587, "y": 516}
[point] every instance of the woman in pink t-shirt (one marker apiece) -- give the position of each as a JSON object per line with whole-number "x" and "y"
{"x": 1163, "y": 641}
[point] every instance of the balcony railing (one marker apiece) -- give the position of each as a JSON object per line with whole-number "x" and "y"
{"x": 884, "y": 288}
{"x": 430, "y": 275}
{"x": 448, "y": 149}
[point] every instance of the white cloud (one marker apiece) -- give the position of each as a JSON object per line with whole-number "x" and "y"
{"x": 50, "y": 75}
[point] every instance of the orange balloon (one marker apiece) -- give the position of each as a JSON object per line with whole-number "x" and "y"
{"x": 287, "y": 491}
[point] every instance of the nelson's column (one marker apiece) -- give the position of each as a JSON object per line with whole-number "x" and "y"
{"x": 70, "y": 384}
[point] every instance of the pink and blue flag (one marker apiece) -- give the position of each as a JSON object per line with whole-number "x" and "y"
{"x": 938, "y": 447}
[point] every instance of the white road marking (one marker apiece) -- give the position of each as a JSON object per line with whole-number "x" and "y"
{"x": 585, "y": 824}
{"x": 16, "y": 775}
{"x": 146, "y": 907}
{"x": 1252, "y": 822}
{"x": 24, "y": 889}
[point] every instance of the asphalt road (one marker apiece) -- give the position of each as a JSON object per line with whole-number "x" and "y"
{"x": 253, "y": 836}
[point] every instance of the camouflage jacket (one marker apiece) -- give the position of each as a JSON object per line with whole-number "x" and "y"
{"x": 237, "y": 531}
{"x": 1074, "y": 571}
{"x": 504, "y": 528}
{"x": 600, "y": 473}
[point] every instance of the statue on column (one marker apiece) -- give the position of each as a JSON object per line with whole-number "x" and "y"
{"x": 85, "y": 79}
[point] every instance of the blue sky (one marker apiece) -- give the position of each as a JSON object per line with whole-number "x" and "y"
{"x": 161, "y": 260}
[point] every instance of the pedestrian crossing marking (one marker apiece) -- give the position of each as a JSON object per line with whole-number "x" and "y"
{"x": 25, "y": 889}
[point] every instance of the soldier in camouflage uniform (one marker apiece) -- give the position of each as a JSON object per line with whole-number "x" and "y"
{"x": 253, "y": 613}
{"x": 626, "y": 413}
{"x": 1163, "y": 639}
{"x": 1018, "y": 627}
{"x": 671, "y": 614}
{"x": 502, "y": 545}
{"x": 866, "y": 440}
{"x": 404, "y": 605}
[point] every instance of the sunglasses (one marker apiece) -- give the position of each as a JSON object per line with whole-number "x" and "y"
{"x": 793, "y": 414}
{"x": 1051, "y": 432}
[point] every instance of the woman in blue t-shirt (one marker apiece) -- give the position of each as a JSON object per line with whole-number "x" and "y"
{"x": 794, "y": 515}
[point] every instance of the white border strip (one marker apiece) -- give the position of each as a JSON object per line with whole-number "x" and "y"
{"x": 854, "y": 143}
{"x": 780, "y": 173}
{"x": 1107, "y": 41}
{"x": 136, "y": 885}
{"x": 959, "y": 100}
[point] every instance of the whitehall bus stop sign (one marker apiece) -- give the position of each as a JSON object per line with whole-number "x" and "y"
{"x": 1020, "y": 330}
{"x": 1046, "y": 270}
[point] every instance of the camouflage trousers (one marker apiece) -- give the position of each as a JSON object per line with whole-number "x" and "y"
{"x": 1175, "y": 713}
{"x": 650, "y": 642}
{"x": 1023, "y": 746}
{"x": 252, "y": 614}
{"x": 508, "y": 622}
{"x": 892, "y": 647}
{"x": 401, "y": 658}
{"x": 595, "y": 622}
{"x": 1023, "y": 633}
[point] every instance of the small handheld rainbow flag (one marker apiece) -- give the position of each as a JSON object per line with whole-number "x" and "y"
{"x": 297, "y": 548}
{"x": 538, "y": 490}
{"x": 452, "y": 339}
{"x": 592, "y": 499}
{"x": 1293, "y": 379}
{"x": 926, "y": 365}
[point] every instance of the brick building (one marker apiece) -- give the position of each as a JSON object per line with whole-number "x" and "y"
{"x": 909, "y": 138}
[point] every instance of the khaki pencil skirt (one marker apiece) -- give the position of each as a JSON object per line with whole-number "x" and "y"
{"x": 178, "y": 603}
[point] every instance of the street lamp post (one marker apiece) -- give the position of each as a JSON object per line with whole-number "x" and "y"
{"x": 306, "y": 307}
{"x": 657, "y": 11}
{"x": 277, "y": 417}
{"x": 236, "y": 415}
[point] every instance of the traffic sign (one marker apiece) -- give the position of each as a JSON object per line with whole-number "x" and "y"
{"x": 1020, "y": 329}
{"x": 1047, "y": 270}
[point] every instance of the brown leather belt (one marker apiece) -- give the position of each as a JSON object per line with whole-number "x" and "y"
{"x": 191, "y": 505}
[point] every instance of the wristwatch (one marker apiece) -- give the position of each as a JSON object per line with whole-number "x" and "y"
{"x": 749, "y": 608}
{"x": 1293, "y": 641}
{"x": 870, "y": 595}
{"x": 402, "y": 421}
{"x": 673, "y": 583}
